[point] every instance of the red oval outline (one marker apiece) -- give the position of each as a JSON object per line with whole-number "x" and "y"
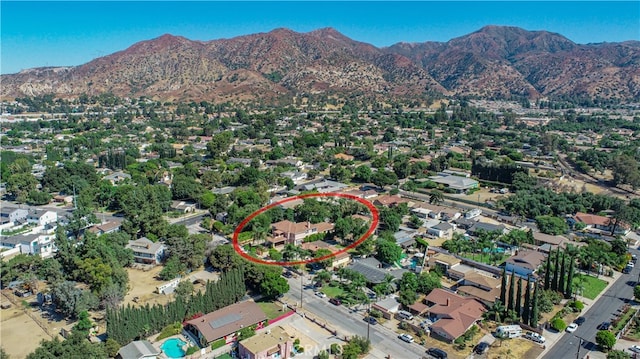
{"x": 374, "y": 223}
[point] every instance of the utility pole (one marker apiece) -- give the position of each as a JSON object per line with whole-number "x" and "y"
{"x": 579, "y": 345}
{"x": 301, "y": 287}
{"x": 368, "y": 320}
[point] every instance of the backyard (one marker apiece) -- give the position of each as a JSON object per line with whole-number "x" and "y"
{"x": 592, "y": 286}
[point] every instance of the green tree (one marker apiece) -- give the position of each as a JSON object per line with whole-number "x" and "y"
{"x": 184, "y": 289}
{"x": 558, "y": 324}
{"x": 605, "y": 339}
{"x": 535, "y": 313}
{"x": 526, "y": 310}
{"x": 636, "y": 291}
{"x": 388, "y": 252}
{"x": 618, "y": 354}
{"x": 518, "y": 306}
{"x": 495, "y": 311}
{"x": 510, "y": 296}
{"x": 552, "y": 225}
{"x": 436, "y": 197}
{"x": 556, "y": 272}
{"x": 503, "y": 287}
{"x": 362, "y": 174}
{"x": 273, "y": 285}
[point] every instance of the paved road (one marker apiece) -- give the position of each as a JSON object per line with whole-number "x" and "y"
{"x": 604, "y": 309}
{"x": 349, "y": 322}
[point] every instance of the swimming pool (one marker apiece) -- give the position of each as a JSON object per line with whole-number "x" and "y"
{"x": 173, "y": 348}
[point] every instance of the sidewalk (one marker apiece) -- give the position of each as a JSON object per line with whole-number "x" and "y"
{"x": 553, "y": 337}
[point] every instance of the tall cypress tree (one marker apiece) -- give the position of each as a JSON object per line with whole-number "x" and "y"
{"x": 503, "y": 288}
{"x": 562, "y": 278}
{"x": 511, "y": 298}
{"x": 533, "y": 321}
{"x": 518, "y": 307}
{"x": 527, "y": 302}
{"x": 547, "y": 273}
{"x": 556, "y": 272}
{"x": 569, "y": 286}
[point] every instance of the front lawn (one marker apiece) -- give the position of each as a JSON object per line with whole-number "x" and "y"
{"x": 271, "y": 309}
{"x": 332, "y": 292}
{"x": 592, "y": 285}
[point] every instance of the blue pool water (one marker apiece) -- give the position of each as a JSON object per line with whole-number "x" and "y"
{"x": 173, "y": 348}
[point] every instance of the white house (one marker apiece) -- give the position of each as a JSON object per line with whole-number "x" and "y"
{"x": 441, "y": 230}
{"x": 33, "y": 243}
{"x": 42, "y": 217}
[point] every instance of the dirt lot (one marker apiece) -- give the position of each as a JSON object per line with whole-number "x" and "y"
{"x": 19, "y": 333}
{"x": 514, "y": 348}
{"x": 143, "y": 284}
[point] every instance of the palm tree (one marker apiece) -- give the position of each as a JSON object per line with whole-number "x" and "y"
{"x": 436, "y": 197}
{"x": 495, "y": 311}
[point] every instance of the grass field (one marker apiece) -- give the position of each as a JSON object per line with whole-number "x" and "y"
{"x": 332, "y": 292}
{"x": 592, "y": 286}
{"x": 271, "y": 309}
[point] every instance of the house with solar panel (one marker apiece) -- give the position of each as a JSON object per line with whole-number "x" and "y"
{"x": 225, "y": 323}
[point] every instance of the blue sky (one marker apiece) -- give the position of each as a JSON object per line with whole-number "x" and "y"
{"x": 49, "y": 33}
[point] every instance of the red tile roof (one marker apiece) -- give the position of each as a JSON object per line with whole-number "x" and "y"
{"x": 457, "y": 313}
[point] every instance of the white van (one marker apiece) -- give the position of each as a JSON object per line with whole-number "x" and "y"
{"x": 508, "y": 331}
{"x": 404, "y": 315}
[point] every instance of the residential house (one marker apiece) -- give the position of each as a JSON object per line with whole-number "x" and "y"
{"x": 552, "y": 241}
{"x": 441, "y": 230}
{"x": 139, "y": 349}
{"x": 324, "y": 186}
{"x": 338, "y": 261}
{"x": 225, "y": 323}
{"x": 13, "y": 215}
{"x": 286, "y": 202}
{"x": 456, "y": 183}
{"x": 482, "y": 286}
{"x": 444, "y": 261}
{"x": 67, "y": 200}
{"x": 32, "y": 243}
{"x": 117, "y": 177}
{"x": 452, "y": 314}
{"x": 486, "y": 227}
{"x": 287, "y": 232}
{"x": 366, "y": 194}
{"x": 389, "y": 201}
{"x": 371, "y": 268}
{"x": 405, "y": 237}
{"x": 183, "y": 207}
{"x": 147, "y": 252}
{"x": 295, "y": 176}
{"x": 42, "y": 218}
{"x": 275, "y": 343}
{"x": 388, "y": 307}
{"x": 291, "y": 161}
{"x": 524, "y": 263}
{"x": 597, "y": 223}
{"x": 242, "y": 161}
{"x": 105, "y": 228}
{"x": 426, "y": 210}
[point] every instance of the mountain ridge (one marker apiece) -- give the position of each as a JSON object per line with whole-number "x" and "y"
{"x": 492, "y": 62}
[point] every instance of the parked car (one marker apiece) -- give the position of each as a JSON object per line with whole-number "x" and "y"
{"x": 481, "y": 348}
{"x": 580, "y": 320}
{"x": 335, "y": 301}
{"x": 320, "y": 294}
{"x": 535, "y": 337}
{"x": 406, "y": 338}
{"x": 635, "y": 348}
{"x": 437, "y": 353}
{"x": 572, "y": 328}
{"x": 371, "y": 320}
{"x": 604, "y": 326}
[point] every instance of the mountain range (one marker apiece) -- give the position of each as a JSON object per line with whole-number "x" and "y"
{"x": 495, "y": 62}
